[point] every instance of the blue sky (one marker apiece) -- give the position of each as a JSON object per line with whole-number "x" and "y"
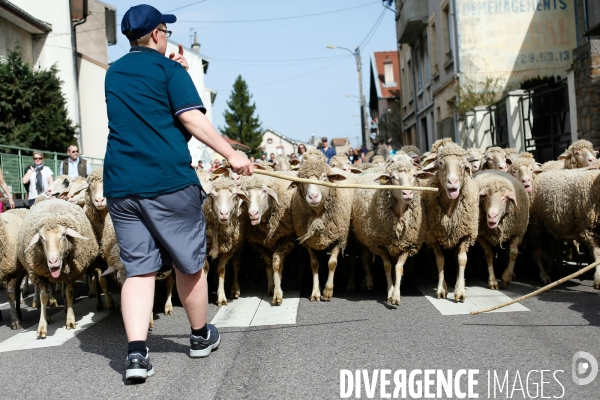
{"x": 299, "y": 86}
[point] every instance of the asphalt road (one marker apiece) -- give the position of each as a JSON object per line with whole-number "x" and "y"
{"x": 355, "y": 331}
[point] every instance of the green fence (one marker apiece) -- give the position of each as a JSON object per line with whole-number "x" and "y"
{"x": 14, "y": 160}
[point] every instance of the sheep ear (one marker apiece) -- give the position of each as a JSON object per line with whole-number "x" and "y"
{"x": 595, "y": 152}
{"x": 258, "y": 166}
{"x": 335, "y": 177}
{"x": 565, "y": 156}
{"x": 511, "y": 196}
{"x": 33, "y": 241}
{"x": 271, "y": 193}
{"x": 109, "y": 270}
{"x": 431, "y": 157}
{"x": 221, "y": 170}
{"x": 293, "y": 185}
{"x": 83, "y": 186}
{"x": 424, "y": 175}
{"x": 355, "y": 170}
{"x": 383, "y": 179}
{"x": 431, "y": 167}
{"x": 294, "y": 162}
{"x": 468, "y": 168}
{"x": 508, "y": 161}
{"x": 482, "y": 193}
{"x": 74, "y": 234}
{"x": 242, "y": 196}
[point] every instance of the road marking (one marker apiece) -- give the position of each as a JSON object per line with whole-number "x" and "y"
{"x": 85, "y": 316}
{"x": 256, "y": 310}
{"x": 478, "y": 297}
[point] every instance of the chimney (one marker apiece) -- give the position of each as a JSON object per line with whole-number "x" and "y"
{"x": 196, "y": 45}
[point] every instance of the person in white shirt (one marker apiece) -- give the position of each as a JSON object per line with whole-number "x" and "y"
{"x": 38, "y": 176}
{"x": 76, "y": 165}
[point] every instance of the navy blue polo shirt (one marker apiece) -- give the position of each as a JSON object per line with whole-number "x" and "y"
{"x": 147, "y": 153}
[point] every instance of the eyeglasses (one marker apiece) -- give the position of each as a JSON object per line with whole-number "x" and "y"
{"x": 38, "y": 158}
{"x": 167, "y": 33}
{"x": 74, "y": 151}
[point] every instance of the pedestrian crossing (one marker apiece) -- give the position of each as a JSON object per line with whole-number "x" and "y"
{"x": 253, "y": 309}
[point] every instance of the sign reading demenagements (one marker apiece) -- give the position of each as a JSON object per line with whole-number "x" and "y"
{"x": 515, "y": 39}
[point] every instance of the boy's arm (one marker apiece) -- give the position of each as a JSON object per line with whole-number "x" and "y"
{"x": 200, "y": 127}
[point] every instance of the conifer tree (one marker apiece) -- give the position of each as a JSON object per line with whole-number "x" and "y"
{"x": 32, "y": 106}
{"x": 241, "y": 124}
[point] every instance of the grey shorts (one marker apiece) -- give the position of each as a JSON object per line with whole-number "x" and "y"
{"x": 160, "y": 231}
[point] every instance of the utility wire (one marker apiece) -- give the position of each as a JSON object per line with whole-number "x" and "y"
{"x": 279, "y": 18}
{"x": 274, "y": 63}
{"x": 373, "y": 30}
{"x": 188, "y": 5}
{"x": 298, "y": 76}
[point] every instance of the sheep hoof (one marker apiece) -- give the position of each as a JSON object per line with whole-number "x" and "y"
{"x": 460, "y": 297}
{"x": 493, "y": 284}
{"x": 315, "y": 297}
{"x": 394, "y": 300}
{"x": 41, "y": 332}
{"x": 442, "y": 294}
{"x": 34, "y": 304}
{"x": 270, "y": 290}
{"x": 350, "y": 287}
{"x": 52, "y": 303}
{"x": 277, "y": 300}
{"x": 110, "y": 304}
{"x": 327, "y": 294}
{"x": 222, "y": 303}
{"x": 367, "y": 283}
{"x": 15, "y": 325}
{"x": 546, "y": 279}
{"x": 235, "y": 293}
{"x": 70, "y": 324}
{"x": 21, "y": 300}
{"x": 168, "y": 309}
{"x": 597, "y": 285}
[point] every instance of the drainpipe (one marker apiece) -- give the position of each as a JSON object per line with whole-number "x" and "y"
{"x": 455, "y": 61}
{"x": 77, "y": 100}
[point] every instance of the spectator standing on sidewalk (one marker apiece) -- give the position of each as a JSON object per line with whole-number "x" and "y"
{"x": 75, "y": 166}
{"x": 328, "y": 151}
{"x": 154, "y": 196}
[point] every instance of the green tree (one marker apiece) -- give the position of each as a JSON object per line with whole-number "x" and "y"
{"x": 32, "y": 106}
{"x": 241, "y": 124}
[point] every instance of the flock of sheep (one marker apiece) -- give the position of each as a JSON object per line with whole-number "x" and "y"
{"x": 494, "y": 198}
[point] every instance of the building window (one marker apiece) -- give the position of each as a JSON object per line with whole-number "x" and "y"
{"x": 433, "y": 47}
{"x": 425, "y": 63}
{"x": 418, "y": 67}
{"x": 269, "y": 140}
{"x": 388, "y": 72}
{"x": 447, "y": 32}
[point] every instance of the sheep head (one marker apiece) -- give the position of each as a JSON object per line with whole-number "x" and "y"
{"x": 60, "y": 187}
{"x": 452, "y": 167}
{"x": 495, "y": 158}
{"x": 315, "y": 169}
{"x": 56, "y": 246}
{"x": 580, "y": 154}
{"x": 524, "y": 168}
{"x": 494, "y": 203}
{"x": 259, "y": 204}
{"x": 226, "y": 197}
{"x": 402, "y": 173}
{"x": 77, "y": 192}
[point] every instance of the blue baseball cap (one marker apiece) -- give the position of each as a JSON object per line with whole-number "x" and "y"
{"x": 142, "y": 19}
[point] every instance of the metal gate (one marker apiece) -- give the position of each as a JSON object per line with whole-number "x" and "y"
{"x": 498, "y": 123}
{"x": 545, "y": 113}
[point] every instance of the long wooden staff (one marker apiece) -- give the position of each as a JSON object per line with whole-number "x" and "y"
{"x": 547, "y": 287}
{"x": 340, "y": 185}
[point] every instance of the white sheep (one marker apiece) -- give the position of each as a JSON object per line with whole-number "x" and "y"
{"x": 271, "y": 230}
{"x": 11, "y": 269}
{"x": 321, "y": 217}
{"x": 225, "y": 223}
{"x": 503, "y": 218}
{"x": 495, "y": 158}
{"x": 580, "y": 154}
{"x": 452, "y": 213}
{"x": 391, "y": 223}
{"x": 53, "y": 247}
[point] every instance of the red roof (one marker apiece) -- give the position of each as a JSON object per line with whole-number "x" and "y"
{"x": 237, "y": 145}
{"x": 380, "y": 59}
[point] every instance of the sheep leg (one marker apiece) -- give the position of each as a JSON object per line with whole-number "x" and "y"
{"x": 52, "y": 302}
{"x": 537, "y": 255}
{"x": 42, "y": 288}
{"x": 91, "y": 281}
{"x": 508, "y": 274}
{"x": 13, "y": 289}
{"x": 459, "y": 289}
{"x": 442, "y": 289}
{"x": 35, "y": 302}
{"x": 110, "y": 304}
{"x": 399, "y": 270}
{"x": 332, "y": 264}
{"x": 276, "y": 279}
{"x": 314, "y": 265}
{"x": 170, "y": 281}
{"x": 387, "y": 267}
{"x": 151, "y": 323}
{"x": 206, "y": 267}
{"x": 489, "y": 259}
{"x": 595, "y": 250}
{"x": 221, "y": 298}
{"x": 235, "y": 287}
{"x": 367, "y": 261}
{"x": 70, "y": 313}
{"x": 25, "y": 288}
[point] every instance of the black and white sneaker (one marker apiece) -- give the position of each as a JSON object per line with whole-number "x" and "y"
{"x": 201, "y": 347}
{"x": 138, "y": 367}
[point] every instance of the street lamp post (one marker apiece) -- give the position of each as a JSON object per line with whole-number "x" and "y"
{"x": 363, "y": 104}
